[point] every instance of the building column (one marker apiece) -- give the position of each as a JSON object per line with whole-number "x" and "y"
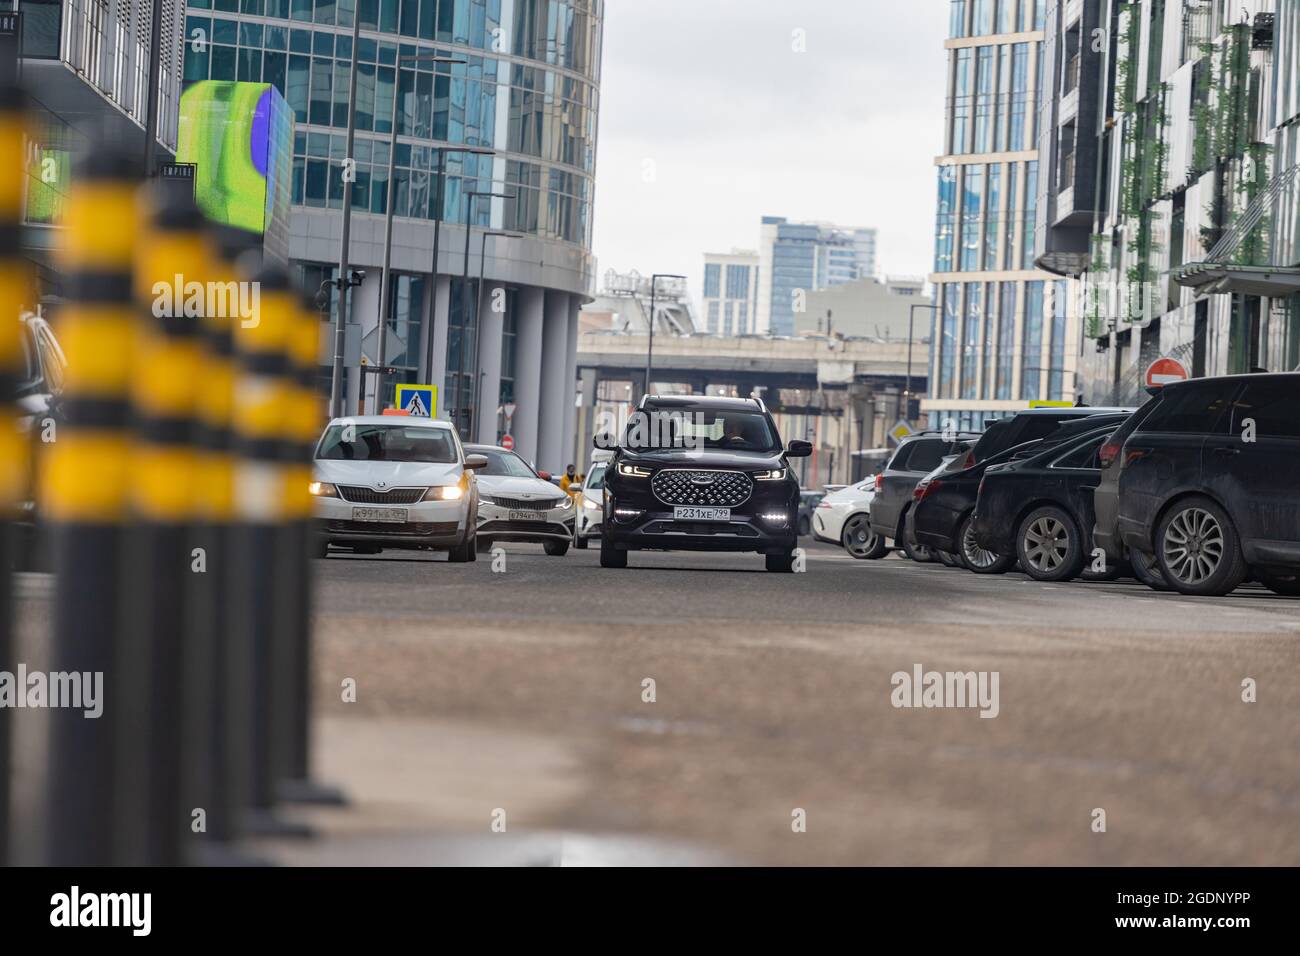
{"x": 550, "y": 411}
{"x": 437, "y": 374}
{"x": 490, "y": 326}
{"x": 571, "y": 450}
{"x": 528, "y": 371}
{"x": 586, "y": 417}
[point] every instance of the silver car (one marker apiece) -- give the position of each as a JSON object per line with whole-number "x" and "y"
{"x": 517, "y": 504}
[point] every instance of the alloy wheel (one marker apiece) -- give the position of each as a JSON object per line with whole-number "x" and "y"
{"x": 1046, "y": 544}
{"x": 858, "y": 538}
{"x": 1193, "y": 545}
{"x": 973, "y": 554}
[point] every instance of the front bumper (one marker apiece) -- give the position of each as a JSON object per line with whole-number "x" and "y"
{"x": 660, "y": 531}
{"x": 428, "y": 524}
{"x": 555, "y": 524}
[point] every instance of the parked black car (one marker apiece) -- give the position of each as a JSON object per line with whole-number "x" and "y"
{"x": 916, "y": 456}
{"x": 1206, "y": 479}
{"x": 941, "y": 517}
{"x": 1024, "y": 426}
{"x": 1038, "y": 508}
{"x": 699, "y": 473}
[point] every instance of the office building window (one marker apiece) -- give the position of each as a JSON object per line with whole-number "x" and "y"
{"x": 1031, "y": 356}
{"x": 945, "y": 219}
{"x": 972, "y": 327}
{"x": 972, "y": 207}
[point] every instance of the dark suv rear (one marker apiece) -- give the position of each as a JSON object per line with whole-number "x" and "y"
{"x": 697, "y": 473}
{"x": 1206, "y": 477}
{"x": 916, "y": 456}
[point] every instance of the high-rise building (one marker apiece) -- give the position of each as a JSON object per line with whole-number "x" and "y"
{"x": 1004, "y": 332}
{"x": 730, "y": 292}
{"x": 517, "y": 117}
{"x": 1193, "y": 254}
{"x": 796, "y": 258}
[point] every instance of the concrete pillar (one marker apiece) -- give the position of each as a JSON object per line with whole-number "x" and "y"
{"x": 586, "y": 418}
{"x": 571, "y": 450}
{"x": 528, "y": 371}
{"x": 437, "y": 375}
{"x": 489, "y": 363}
{"x": 550, "y": 413}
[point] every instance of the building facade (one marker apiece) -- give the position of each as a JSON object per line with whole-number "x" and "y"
{"x": 871, "y": 308}
{"x": 730, "y": 292}
{"x": 517, "y": 118}
{"x": 796, "y": 258}
{"x": 1194, "y": 251}
{"x": 1004, "y": 330}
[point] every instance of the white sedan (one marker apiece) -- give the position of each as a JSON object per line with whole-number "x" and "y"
{"x": 517, "y": 504}
{"x": 388, "y": 482}
{"x": 843, "y": 517}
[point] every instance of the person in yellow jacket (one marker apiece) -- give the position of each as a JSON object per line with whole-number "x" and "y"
{"x": 570, "y": 478}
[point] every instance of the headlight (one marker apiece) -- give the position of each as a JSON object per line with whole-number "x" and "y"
{"x": 593, "y": 505}
{"x": 323, "y": 489}
{"x": 444, "y": 493}
{"x": 776, "y": 474}
{"x": 633, "y": 471}
{"x": 565, "y": 503}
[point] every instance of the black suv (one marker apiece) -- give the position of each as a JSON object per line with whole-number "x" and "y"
{"x": 696, "y": 473}
{"x": 1206, "y": 478}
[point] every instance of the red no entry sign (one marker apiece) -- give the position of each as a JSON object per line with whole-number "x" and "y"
{"x": 508, "y": 442}
{"x": 1164, "y": 371}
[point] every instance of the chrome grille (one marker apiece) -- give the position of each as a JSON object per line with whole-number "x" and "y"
{"x": 723, "y": 489}
{"x": 524, "y": 504}
{"x": 368, "y": 496}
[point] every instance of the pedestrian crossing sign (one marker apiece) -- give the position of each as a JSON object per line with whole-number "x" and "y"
{"x": 418, "y": 400}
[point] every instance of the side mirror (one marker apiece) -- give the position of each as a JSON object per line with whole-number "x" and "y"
{"x": 475, "y": 462}
{"x": 604, "y": 441}
{"x": 798, "y": 448}
{"x": 575, "y": 488}
{"x": 544, "y": 475}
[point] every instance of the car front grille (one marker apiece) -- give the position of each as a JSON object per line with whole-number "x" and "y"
{"x": 431, "y": 528}
{"x": 368, "y": 496}
{"x": 723, "y": 489}
{"x": 523, "y": 504}
{"x": 524, "y": 527}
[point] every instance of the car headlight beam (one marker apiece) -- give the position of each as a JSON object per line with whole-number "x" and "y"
{"x": 444, "y": 493}
{"x": 633, "y": 471}
{"x": 775, "y": 474}
{"x": 323, "y": 489}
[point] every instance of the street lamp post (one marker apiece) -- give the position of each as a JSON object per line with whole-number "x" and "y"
{"x": 385, "y": 276}
{"x": 340, "y": 332}
{"x": 650, "y": 344}
{"x": 470, "y": 196}
{"x": 478, "y": 312}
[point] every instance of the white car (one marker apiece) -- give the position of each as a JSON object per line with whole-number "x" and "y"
{"x": 591, "y": 504}
{"x": 383, "y": 481}
{"x": 517, "y": 505}
{"x": 844, "y": 517}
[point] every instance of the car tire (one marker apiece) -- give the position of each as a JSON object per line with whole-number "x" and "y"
{"x": 610, "y": 556}
{"x": 1281, "y": 582}
{"x": 948, "y": 559}
{"x": 320, "y": 548}
{"x": 1049, "y": 545}
{"x": 556, "y": 549}
{"x": 977, "y": 559}
{"x": 860, "y": 541}
{"x": 782, "y": 563}
{"x": 917, "y": 552}
{"x": 803, "y": 527}
{"x": 580, "y": 543}
{"x": 464, "y": 552}
{"x": 1198, "y": 550}
{"x": 1146, "y": 570}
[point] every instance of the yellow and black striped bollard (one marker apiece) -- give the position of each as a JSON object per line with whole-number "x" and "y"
{"x": 15, "y": 286}
{"x": 171, "y": 295}
{"x": 84, "y": 495}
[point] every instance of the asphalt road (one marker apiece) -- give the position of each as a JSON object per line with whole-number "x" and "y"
{"x": 515, "y": 697}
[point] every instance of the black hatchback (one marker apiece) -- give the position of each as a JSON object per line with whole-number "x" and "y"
{"x": 1206, "y": 478}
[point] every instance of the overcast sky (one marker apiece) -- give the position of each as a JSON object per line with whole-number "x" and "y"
{"x": 709, "y": 119}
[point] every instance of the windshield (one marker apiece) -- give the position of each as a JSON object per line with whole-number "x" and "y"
{"x": 724, "y": 429}
{"x": 595, "y": 478}
{"x": 505, "y": 464}
{"x": 350, "y": 442}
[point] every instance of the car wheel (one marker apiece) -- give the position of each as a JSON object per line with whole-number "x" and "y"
{"x": 556, "y": 549}
{"x": 320, "y": 548}
{"x": 465, "y": 551}
{"x": 977, "y": 559}
{"x": 1146, "y": 570}
{"x": 610, "y": 556}
{"x": 1198, "y": 550}
{"x": 1049, "y": 545}
{"x": 783, "y": 562}
{"x": 917, "y": 552}
{"x": 580, "y": 543}
{"x": 947, "y": 559}
{"x": 859, "y": 540}
{"x": 1281, "y": 582}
